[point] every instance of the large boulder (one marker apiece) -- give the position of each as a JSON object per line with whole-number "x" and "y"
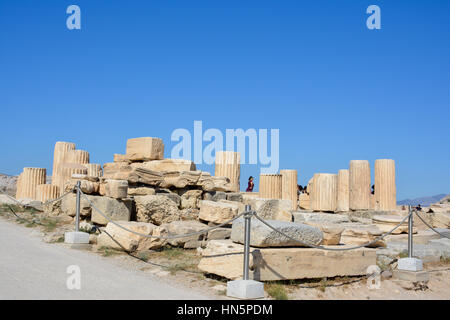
{"x": 156, "y": 209}
{"x": 217, "y": 212}
{"x": 115, "y": 209}
{"x": 145, "y": 149}
{"x": 270, "y": 209}
{"x": 125, "y": 240}
{"x": 184, "y": 227}
{"x": 263, "y": 236}
{"x": 225, "y": 258}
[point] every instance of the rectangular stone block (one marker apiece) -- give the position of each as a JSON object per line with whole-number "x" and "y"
{"x": 225, "y": 258}
{"x": 145, "y": 149}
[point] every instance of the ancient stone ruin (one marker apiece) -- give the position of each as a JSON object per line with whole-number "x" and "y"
{"x": 151, "y": 195}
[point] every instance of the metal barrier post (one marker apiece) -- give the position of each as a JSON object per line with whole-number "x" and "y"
{"x": 77, "y": 219}
{"x": 247, "y": 218}
{"x": 246, "y": 288}
{"x": 77, "y": 237}
{"x": 410, "y": 264}
{"x": 410, "y": 233}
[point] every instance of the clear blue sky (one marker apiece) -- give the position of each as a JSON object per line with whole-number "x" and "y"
{"x": 336, "y": 90}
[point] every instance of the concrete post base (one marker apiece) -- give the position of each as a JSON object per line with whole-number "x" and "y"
{"x": 76, "y": 237}
{"x": 245, "y": 289}
{"x": 410, "y": 264}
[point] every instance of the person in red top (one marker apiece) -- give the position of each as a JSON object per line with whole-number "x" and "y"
{"x": 250, "y": 184}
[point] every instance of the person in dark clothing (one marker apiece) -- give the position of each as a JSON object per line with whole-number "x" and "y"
{"x": 419, "y": 207}
{"x": 250, "y": 184}
{"x": 373, "y": 189}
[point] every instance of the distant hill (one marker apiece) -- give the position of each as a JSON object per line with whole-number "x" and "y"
{"x": 8, "y": 184}
{"x": 423, "y": 201}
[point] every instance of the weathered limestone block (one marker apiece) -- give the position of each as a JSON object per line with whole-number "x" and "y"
{"x": 270, "y": 186}
{"x": 78, "y": 156}
{"x": 304, "y": 201}
{"x": 263, "y": 236}
{"x": 88, "y": 187}
{"x": 247, "y": 195}
{"x": 219, "y": 233}
{"x": 211, "y": 183}
{"x": 141, "y": 191}
{"x": 331, "y": 232}
{"x": 29, "y": 179}
{"x": 145, "y": 176}
{"x": 343, "y": 191}
{"x": 387, "y": 222}
{"x": 124, "y": 240}
{"x": 214, "y": 195}
{"x": 303, "y": 217}
{"x": 224, "y": 258}
{"x": 228, "y": 165}
{"x": 359, "y": 184}
{"x": 234, "y": 196}
{"x": 46, "y": 192}
{"x": 176, "y": 228}
{"x": 172, "y": 196}
{"x": 117, "y": 189}
{"x": 145, "y": 149}
{"x": 385, "y": 190}
{"x": 190, "y": 199}
{"x": 59, "y": 157}
{"x": 115, "y": 209}
{"x": 68, "y": 206}
{"x": 86, "y": 177}
{"x": 169, "y": 165}
{"x": 289, "y": 187}
{"x": 157, "y": 209}
{"x": 217, "y": 212}
{"x": 358, "y": 234}
{"x": 240, "y": 205}
{"x": 121, "y": 158}
{"x": 271, "y": 209}
{"x": 439, "y": 219}
{"x": 324, "y": 194}
{"x": 94, "y": 169}
{"x": 180, "y": 179}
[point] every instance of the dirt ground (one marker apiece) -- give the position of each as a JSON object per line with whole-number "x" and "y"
{"x": 178, "y": 267}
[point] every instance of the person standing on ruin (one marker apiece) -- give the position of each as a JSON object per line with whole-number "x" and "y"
{"x": 250, "y": 185}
